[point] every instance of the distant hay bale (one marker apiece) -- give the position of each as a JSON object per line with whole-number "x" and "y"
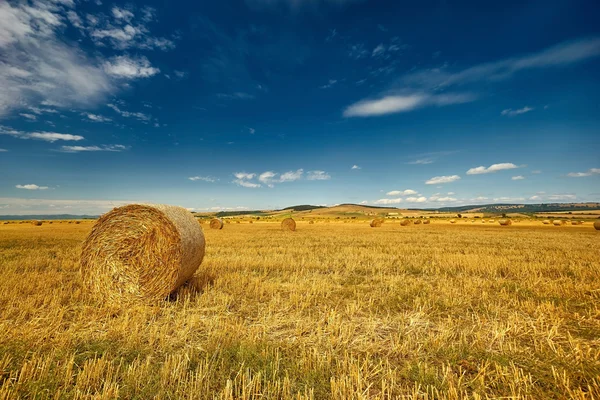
{"x": 426, "y": 222}
{"x": 491, "y": 220}
{"x": 77, "y": 222}
{"x": 250, "y": 222}
{"x": 574, "y": 222}
{"x": 417, "y": 222}
{"x": 405, "y": 222}
{"x": 557, "y": 222}
{"x": 288, "y": 224}
{"x": 452, "y": 221}
{"x": 546, "y": 222}
{"x": 216, "y": 223}
{"x": 6, "y": 222}
{"x": 50, "y": 222}
{"x": 376, "y": 223}
{"x": 597, "y": 225}
{"x": 141, "y": 252}
{"x": 311, "y": 222}
{"x": 36, "y": 223}
{"x": 505, "y": 222}
{"x": 237, "y": 222}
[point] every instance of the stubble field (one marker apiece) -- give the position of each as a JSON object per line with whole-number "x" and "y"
{"x": 333, "y": 310}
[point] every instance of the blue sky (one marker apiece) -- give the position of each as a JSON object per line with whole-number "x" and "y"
{"x": 263, "y": 104}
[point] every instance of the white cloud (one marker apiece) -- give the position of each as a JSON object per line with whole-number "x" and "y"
{"x": 77, "y": 149}
{"x": 317, "y": 176}
{"x": 445, "y": 199}
{"x": 537, "y": 171}
{"x": 137, "y": 115}
{"x": 46, "y": 136}
{"x": 421, "y": 161}
{"x": 379, "y": 50}
{"x": 291, "y": 176}
{"x": 3, "y": 150}
{"x": 244, "y": 175}
{"x": 491, "y": 168}
{"x": 393, "y": 104}
{"x": 560, "y": 197}
{"x": 236, "y": 96}
{"x": 28, "y": 116}
{"x": 508, "y": 199}
{"x": 557, "y": 56}
{"x": 329, "y": 84}
{"x": 126, "y": 67}
{"x": 180, "y": 74}
{"x": 389, "y": 201}
{"x": 252, "y": 131}
{"x": 535, "y": 198}
{"x": 355, "y": 167}
{"x": 442, "y": 179}
{"x": 518, "y": 178}
{"x": 511, "y": 113}
{"x": 31, "y": 186}
{"x": 97, "y": 118}
{"x": 589, "y": 172}
{"x": 421, "y": 199}
{"x": 480, "y": 198}
{"x": 202, "y": 178}
{"x": 38, "y": 66}
{"x": 247, "y": 184}
{"x": 406, "y": 192}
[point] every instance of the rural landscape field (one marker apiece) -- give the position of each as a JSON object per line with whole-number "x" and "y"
{"x": 336, "y": 309}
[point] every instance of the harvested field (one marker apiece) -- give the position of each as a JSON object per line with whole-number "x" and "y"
{"x": 334, "y": 311}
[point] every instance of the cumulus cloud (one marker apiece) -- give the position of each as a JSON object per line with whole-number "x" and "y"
{"x": 511, "y": 113}
{"x": 126, "y": 67}
{"x": 589, "y": 172}
{"x": 45, "y": 136}
{"x": 31, "y": 186}
{"x": 406, "y": 192}
{"x": 491, "y": 168}
{"x": 442, "y": 179}
{"x": 271, "y": 178}
{"x": 202, "y": 178}
{"x": 421, "y": 199}
{"x": 355, "y": 167}
{"x": 39, "y": 67}
{"x": 392, "y": 104}
{"x": 389, "y": 201}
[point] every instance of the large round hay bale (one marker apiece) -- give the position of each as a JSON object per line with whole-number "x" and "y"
{"x": 288, "y": 224}
{"x": 546, "y": 222}
{"x": 36, "y": 223}
{"x": 141, "y": 252}
{"x": 557, "y": 222}
{"x": 216, "y": 223}
{"x": 376, "y": 223}
{"x": 505, "y": 222}
{"x": 417, "y": 222}
{"x": 426, "y": 222}
{"x": 452, "y": 221}
{"x": 597, "y": 225}
{"x": 405, "y": 222}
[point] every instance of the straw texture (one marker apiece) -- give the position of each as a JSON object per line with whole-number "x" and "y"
{"x": 288, "y": 224}
{"x": 141, "y": 252}
{"x": 216, "y": 223}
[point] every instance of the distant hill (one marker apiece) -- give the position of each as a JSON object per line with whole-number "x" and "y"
{"x": 304, "y": 207}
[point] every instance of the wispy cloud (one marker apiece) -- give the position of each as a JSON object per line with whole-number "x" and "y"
{"x": 127, "y": 114}
{"x": 318, "y": 176}
{"x": 589, "y": 172}
{"x": 442, "y": 179}
{"x": 31, "y": 186}
{"x": 203, "y": 178}
{"x": 329, "y": 84}
{"x": 393, "y": 104}
{"x": 355, "y": 167}
{"x": 251, "y": 131}
{"x": 511, "y": 113}
{"x": 421, "y": 199}
{"x": 20, "y": 206}
{"x": 518, "y": 178}
{"x": 30, "y": 117}
{"x": 562, "y": 197}
{"x": 236, "y": 96}
{"x": 78, "y": 149}
{"x": 39, "y": 67}
{"x": 96, "y": 118}
{"x": 421, "y": 161}
{"x": 491, "y": 168}
{"x": 389, "y": 201}
{"x": 45, "y": 136}
{"x": 557, "y": 56}
{"x": 3, "y": 150}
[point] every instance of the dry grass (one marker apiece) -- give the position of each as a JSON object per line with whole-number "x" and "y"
{"x": 336, "y": 311}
